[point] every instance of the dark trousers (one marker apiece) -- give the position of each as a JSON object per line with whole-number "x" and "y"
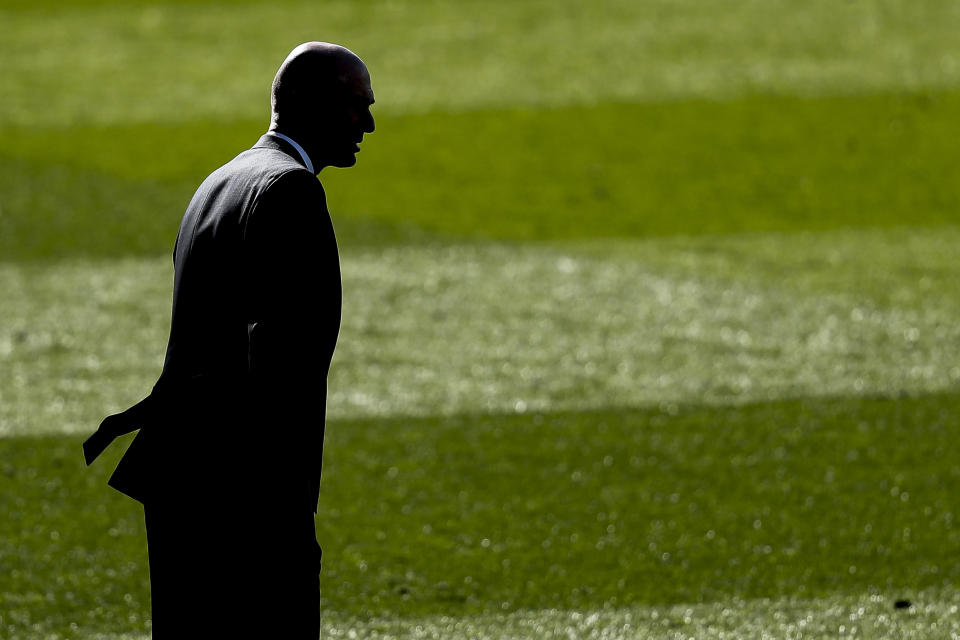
{"x": 246, "y": 570}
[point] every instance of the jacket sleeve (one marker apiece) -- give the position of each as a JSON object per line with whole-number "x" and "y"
{"x": 294, "y": 316}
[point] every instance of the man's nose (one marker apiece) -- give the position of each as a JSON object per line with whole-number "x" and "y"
{"x": 369, "y": 125}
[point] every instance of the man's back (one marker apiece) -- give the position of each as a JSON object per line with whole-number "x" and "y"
{"x": 216, "y": 261}
{"x": 211, "y": 303}
{"x": 256, "y": 312}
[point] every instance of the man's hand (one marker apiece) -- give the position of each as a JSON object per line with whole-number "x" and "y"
{"x": 112, "y": 427}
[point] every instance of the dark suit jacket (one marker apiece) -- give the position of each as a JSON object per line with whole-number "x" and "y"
{"x": 240, "y": 405}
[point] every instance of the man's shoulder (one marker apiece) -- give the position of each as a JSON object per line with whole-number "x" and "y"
{"x": 246, "y": 178}
{"x": 260, "y": 163}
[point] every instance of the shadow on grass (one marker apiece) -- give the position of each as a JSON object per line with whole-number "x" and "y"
{"x": 608, "y": 508}
{"x": 757, "y": 163}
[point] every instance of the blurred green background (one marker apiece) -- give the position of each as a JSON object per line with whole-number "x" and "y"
{"x": 650, "y": 308}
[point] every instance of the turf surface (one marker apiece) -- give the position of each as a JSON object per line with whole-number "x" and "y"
{"x": 475, "y": 328}
{"x": 80, "y": 61}
{"x": 650, "y": 309}
{"x": 616, "y": 170}
{"x": 579, "y": 511}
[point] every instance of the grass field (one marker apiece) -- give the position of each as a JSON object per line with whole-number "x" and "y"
{"x": 650, "y": 309}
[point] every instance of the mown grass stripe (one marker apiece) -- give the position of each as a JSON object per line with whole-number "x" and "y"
{"x": 475, "y": 328}
{"x": 933, "y": 615}
{"x": 871, "y": 615}
{"x": 189, "y": 61}
{"x": 817, "y": 498}
{"x": 614, "y": 170}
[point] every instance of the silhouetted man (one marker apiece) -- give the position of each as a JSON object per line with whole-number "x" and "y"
{"x": 227, "y": 459}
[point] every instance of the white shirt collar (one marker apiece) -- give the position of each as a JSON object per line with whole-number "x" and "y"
{"x": 303, "y": 154}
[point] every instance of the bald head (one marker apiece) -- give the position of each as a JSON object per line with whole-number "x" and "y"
{"x": 313, "y": 71}
{"x": 321, "y": 97}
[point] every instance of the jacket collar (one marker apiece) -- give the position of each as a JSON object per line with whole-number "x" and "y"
{"x": 271, "y": 141}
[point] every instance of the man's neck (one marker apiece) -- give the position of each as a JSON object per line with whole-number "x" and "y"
{"x": 304, "y": 155}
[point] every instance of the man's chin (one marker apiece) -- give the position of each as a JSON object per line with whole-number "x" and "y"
{"x": 347, "y": 160}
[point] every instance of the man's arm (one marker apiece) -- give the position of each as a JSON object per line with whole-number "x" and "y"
{"x": 295, "y": 308}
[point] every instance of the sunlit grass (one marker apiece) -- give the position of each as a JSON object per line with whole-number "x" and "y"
{"x": 934, "y": 615}
{"x": 871, "y": 616}
{"x": 140, "y": 62}
{"x": 447, "y": 329}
